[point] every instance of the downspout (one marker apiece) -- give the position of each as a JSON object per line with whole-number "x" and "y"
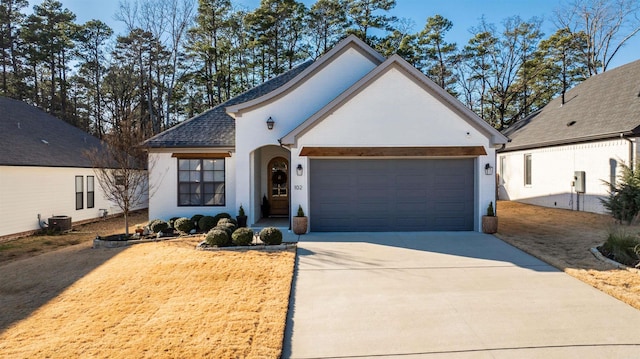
{"x": 631, "y": 152}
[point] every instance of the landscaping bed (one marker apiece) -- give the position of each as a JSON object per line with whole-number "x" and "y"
{"x": 563, "y": 238}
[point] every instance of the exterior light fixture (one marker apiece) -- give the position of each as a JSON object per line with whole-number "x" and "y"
{"x": 270, "y": 123}
{"x": 299, "y": 170}
{"x": 488, "y": 170}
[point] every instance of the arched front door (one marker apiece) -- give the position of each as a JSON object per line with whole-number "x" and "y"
{"x": 278, "y": 178}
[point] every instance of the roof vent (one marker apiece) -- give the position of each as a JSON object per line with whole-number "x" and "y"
{"x": 45, "y": 142}
{"x": 20, "y": 128}
{"x": 571, "y": 123}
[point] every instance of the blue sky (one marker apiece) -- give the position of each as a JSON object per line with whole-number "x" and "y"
{"x": 463, "y": 13}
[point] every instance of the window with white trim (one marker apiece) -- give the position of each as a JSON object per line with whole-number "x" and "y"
{"x": 79, "y": 192}
{"x": 201, "y": 182}
{"x": 91, "y": 192}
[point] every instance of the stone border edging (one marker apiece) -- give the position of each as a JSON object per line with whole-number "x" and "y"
{"x": 259, "y": 247}
{"x": 596, "y": 253}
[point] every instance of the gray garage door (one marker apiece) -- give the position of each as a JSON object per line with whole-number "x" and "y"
{"x": 392, "y": 195}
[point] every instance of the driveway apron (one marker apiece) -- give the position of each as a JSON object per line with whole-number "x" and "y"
{"x": 445, "y": 295}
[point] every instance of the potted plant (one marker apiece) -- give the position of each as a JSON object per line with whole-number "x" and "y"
{"x": 490, "y": 221}
{"x": 300, "y": 222}
{"x": 241, "y": 218}
{"x": 265, "y": 207}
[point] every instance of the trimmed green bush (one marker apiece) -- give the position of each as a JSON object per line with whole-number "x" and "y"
{"x": 220, "y": 216}
{"x": 184, "y": 224}
{"x": 242, "y": 237}
{"x": 206, "y": 223}
{"x": 228, "y": 230}
{"x": 228, "y": 220}
{"x": 271, "y": 236}
{"x": 622, "y": 247}
{"x": 195, "y": 219}
{"x": 217, "y": 237}
{"x": 172, "y": 221}
{"x": 158, "y": 225}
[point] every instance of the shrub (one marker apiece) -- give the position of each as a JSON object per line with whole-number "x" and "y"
{"x": 228, "y": 220}
{"x": 206, "y": 223}
{"x": 195, "y": 219}
{"x": 271, "y": 235}
{"x": 622, "y": 247}
{"x": 172, "y": 221}
{"x": 623, "y": 201}
{"x": 241, "y": 212}
{"x": 158, "y": 225}
{"x": 490, "y": 212}
{"x": 227, "y": 230}
{"x": 217, "y": 237}
{"x": 184, "y": 225}
{"x": 242, "y": 237}
{"x": 300, "y": 211}
{"x": 222, "y": 215}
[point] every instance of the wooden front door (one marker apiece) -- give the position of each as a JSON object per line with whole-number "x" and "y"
{"x": 278, "y": 177}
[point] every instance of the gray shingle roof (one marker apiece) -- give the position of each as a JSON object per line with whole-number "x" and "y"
{"x": 603, "y": 106}
{"x": 32, "y": 137}
{"x": 214, "y": 127}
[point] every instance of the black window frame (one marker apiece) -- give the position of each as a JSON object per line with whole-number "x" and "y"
{"x": 79, "y": 192}
{"x": 91, "y": 192}
{"x": 198, "y": 188}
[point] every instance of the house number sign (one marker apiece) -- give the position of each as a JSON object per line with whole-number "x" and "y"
{"x": 298, "y": 187}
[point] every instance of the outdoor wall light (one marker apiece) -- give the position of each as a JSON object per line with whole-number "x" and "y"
{"x": 270, "y": 123}
{"x": 488, "y": 170}
{"x": 299, "y": 170}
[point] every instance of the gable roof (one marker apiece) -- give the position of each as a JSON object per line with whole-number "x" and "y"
{"x": 32, "y": 137}
{"x": 603, "y": 106}
{"x": 398, "y": 62}
{"x": 214, "y": 127}
{"x": 349, "y": 42}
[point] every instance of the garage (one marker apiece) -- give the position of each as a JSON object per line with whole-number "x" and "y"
{"x": 379, "y": 195}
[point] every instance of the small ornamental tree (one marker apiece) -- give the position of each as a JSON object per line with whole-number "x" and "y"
{"x": 623, "y": 201}
{"x": 120, "y": 165}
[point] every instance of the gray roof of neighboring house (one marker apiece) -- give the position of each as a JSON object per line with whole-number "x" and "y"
{"x": 214, "y": 127}
{"x": 32, "y": 137}
{"x": 603, "y": 106}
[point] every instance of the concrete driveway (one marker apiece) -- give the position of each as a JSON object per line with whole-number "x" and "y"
{"x": 445, "y": 295}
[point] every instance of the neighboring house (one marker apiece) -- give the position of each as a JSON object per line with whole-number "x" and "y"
{"x": 361, "y": 142}
{"x": 43, "y": 171}
{"x": 587, "y": 137}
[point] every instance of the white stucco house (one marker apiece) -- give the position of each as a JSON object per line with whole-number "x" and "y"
{"x": 43, "y": 171}
{"x": 560, "y": 156}
{"x": 360, "y": 142}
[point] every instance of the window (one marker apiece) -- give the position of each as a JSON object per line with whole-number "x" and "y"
{"x": 79, "y": 192}
{"x": 527, "y": 169}
{"x": 90, "y": 192}
{"x": 201, "y": 182}
{"x": 503, "y": 165}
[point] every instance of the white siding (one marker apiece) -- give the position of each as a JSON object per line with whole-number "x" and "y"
{"x": 395, "y": 111}
{"x": 163, "y": 179}
{"x": 289, "y": 111}
{"x": 553, "y": 171}
{"x": 26, "y": 192}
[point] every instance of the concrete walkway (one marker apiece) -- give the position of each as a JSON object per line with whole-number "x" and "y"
{"x": 445, "y": 295}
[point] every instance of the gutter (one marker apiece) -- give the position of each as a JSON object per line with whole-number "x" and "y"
{"x": 609, "y": 136}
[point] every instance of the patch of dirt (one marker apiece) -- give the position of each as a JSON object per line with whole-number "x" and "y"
{"x": 38, "y": 244}
{"x": 563, "y": 238}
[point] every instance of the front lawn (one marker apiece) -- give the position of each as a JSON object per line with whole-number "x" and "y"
{"x": 153, "y": 300}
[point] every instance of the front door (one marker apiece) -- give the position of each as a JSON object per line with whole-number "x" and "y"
{"x": 278, "y": 177}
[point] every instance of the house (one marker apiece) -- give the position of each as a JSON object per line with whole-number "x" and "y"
{"x": 560, "y": 156}
{"x": 360, "y": 142}
{"x": 43, "y": 172}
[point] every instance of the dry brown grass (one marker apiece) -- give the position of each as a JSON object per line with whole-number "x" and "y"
{"x": 37, "y": 244}
{"x": 150, "y": 300}
{"x": 563, "y": 238}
